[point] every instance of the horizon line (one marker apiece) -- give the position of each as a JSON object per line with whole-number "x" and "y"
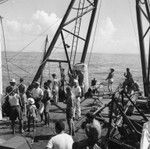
{"x": 77, "y": 52}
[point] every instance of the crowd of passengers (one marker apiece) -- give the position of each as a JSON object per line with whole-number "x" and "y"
{"x": 33, "y": 103}
{"x": 28, "y": 103}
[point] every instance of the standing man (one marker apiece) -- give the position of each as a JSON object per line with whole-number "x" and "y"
{"x": 128, "y": 74}
{"x": 37, "y": 95}
{"x": 55, "y": 88}
{"x": 12, "y": 86}
{"x": 16, "y": 110}
{"x": 22, "y": 93}
{"x": 69, "y": 110}
{"x": 76, "y": 90}
{"x": 46, "y": 101}
{"x": 9, "y": 89}
{"x": 110, "y": 79}
{"x": 128, "y": 83}
{"x": 61, "y": 140}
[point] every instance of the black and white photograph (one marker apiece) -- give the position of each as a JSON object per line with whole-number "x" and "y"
{"x": 74, "y": 74}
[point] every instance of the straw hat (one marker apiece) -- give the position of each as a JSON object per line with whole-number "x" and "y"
{"x": 31, "y": 101}
{"x": 75, "y": 81}
{"x": 13, "y": 81}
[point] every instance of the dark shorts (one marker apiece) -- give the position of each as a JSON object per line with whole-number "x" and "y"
{"x": 15, "y": 113}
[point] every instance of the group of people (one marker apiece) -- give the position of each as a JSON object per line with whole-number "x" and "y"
{"x": 35, "y": 100}
{"x": 128, "y": 84}
{"x": 62, "y": 140}
{"x": 22, "y": 102}
{"x": 27, "y": 103}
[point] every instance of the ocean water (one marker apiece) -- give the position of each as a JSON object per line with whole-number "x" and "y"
{"x": 25, "y": 65}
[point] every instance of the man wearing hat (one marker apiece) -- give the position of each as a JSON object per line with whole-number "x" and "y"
{"x": 12, "y": 86}
{"x": 16, "y": 110}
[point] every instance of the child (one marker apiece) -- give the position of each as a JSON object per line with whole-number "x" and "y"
{"x": 31, "y": 113}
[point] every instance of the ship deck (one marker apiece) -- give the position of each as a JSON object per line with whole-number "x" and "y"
{"x": 39, "y": 138}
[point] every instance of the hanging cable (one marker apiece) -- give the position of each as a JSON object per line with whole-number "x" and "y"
{"x": 82, "y": 8}
{"x": 3, "y": 1}
{"x": 133, "y": 25}
{"x": 4, "y": 41}
{"x": 94, "y": 33}
{"x": 41, "y": 34}
{"x": 11, "y": 71}
{"x": 20, "y": 68}
{"x": 79, "y": 20}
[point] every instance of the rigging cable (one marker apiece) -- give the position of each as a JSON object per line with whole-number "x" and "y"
{"x": 20, "y": 68}
{"x": 11, "y": 71}
{"x": 41, "y": 34}
{"x": 95, "y": 33}
{"x": 82, "y": 8}
{"x": 133, "y": 25}
{"x": 4, "y": 41}
{"x": 78, "y": 27}
{"x": 3, "y": 1}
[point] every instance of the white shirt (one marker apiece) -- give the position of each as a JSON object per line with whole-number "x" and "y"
{"x": 60, "y": 141}
{"x": 76, "y": 92}
{"x": 145, "y": 138}
{"x": 14, "y": 100}
{"x": 37, "y": 93}
{"x": 55, "y": 85}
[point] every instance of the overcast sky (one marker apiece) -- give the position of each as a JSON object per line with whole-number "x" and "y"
{"x": 24, "y": 20}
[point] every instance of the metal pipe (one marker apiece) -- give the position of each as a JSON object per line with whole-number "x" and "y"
{"x": 64, "y": 44}
{"x": 38, "y": 74}
{"x": 142, "y": 47}
{"x": 89, "y": 32}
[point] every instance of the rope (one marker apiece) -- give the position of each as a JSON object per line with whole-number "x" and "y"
{"x": 8, "y": 60}
{"x": 78, "y": 27}
{"x": 3, "y": 1}
{"x": 142, "y": 2}
{"x": 41, "y": 34}
{"x": 133, "y": 25}
{"x": 81, "y": 8}
{"x": 95, "y": 33}
{"x": 20, "y": 68}
{"x": 11, "y": 71}
{"x": 5, "y": 48}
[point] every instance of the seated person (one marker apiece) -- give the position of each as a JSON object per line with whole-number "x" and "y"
{"x": 93, "y": 82}
{"x": 93, "y": 132}
{"x": 93, "y": 85}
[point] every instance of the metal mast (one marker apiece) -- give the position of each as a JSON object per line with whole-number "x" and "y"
{"x": 89, "y": 6}
{"x": 77, "y": 30}
{"x": 143, "y": 11}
